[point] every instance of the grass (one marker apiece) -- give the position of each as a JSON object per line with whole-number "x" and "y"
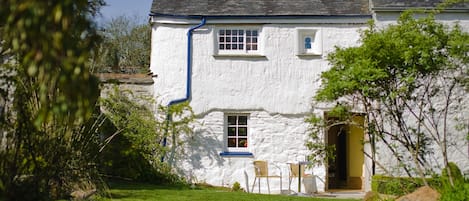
{"x": 137, "y": 191}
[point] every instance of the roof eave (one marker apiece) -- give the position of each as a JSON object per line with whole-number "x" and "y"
{"x": 259, "y": 16}
{"x": 401, "y": 9}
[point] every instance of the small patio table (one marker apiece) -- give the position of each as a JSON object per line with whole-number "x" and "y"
{"x": 300, "y": 163}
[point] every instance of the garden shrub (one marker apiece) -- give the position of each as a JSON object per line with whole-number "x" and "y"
{"x": 133, "y": 136}
{"x": 460, "y": 190}
{"x": 398, "y": 185}
{"x": 236, "y": 187}
{"x": 455, "y": 174}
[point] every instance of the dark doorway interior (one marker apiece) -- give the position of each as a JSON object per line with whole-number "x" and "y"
{"x": 346, "y": 171}
{"x": 337, "y": 170}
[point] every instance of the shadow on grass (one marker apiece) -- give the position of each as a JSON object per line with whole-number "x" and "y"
{"x": 129, "y": 185}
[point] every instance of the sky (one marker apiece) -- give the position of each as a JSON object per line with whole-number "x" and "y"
{"x": 131, "y": 8}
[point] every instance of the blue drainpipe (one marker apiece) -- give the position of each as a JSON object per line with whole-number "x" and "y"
{"x": 189, "y": 76}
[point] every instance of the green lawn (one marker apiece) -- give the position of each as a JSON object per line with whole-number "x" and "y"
{"x": 137, "y": 191}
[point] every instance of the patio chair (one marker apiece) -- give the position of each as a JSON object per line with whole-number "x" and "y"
{"x": 261, "y": 170}
{"x": 295, "y": 171}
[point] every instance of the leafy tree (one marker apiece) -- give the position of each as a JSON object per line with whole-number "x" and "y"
{"x": 408, "y": 79}
{"x": 125, "y": 47}
{"x": 49, "y": 139}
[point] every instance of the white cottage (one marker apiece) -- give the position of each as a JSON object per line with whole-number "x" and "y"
{"x": 250, "y": 70}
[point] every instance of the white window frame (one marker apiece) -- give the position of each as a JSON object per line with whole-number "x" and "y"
{"x": 236, "y": 136}
{"x": 245, "y": 38}
{"x": 316, "y": 42}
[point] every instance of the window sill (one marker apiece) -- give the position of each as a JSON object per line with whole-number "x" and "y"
{"x": 236, "y": 154}
{"x": 239, "y": 55}
{"x": 309, "y": 54}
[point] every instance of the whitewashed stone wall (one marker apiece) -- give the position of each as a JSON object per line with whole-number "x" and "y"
{"x": 275, "y": 89}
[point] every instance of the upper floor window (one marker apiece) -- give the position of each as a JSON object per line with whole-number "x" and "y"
{"x": 309, "y": 42}
{"x": 238, "y": 40}
{"x": 237, "y": 131}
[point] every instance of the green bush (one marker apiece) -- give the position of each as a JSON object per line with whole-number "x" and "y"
{"x": 398, "y": 185}
{"x": 460, "y": 190}
{"x": 133, "y": 134}
{"x": 236, "y": 187}
{"x": 455, "y": 174}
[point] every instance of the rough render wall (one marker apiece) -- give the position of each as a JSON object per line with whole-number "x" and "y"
{"x": 276, "y": 138}
{"x": 276, "y": 90}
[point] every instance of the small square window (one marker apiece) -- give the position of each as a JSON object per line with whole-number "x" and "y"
{"x": 309, "y": 42}
{"x": 237, "y": 131}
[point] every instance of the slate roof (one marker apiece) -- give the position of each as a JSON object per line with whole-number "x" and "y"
{"x": 402, "y": 4}
{"x": 260, "y": 7}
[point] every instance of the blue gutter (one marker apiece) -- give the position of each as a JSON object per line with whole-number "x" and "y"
{"x": 189, "y": 76}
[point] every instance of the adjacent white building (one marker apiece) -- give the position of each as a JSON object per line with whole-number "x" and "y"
{"x": 250, "y": 70}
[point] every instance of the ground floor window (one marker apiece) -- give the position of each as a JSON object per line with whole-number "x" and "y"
{"x": 237, "y": 131}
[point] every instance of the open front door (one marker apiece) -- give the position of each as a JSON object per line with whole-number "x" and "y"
{"x": 346, "y": 171}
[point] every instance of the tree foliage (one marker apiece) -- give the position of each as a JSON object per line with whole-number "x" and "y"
{"x": 125, "y": 47}
{"x": 408, "y": 78}
{"x": 141, "y": 133}
{"x": 48, "y": 136}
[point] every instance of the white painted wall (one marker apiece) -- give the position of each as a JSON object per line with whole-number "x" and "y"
{"x": 276, "y": 89}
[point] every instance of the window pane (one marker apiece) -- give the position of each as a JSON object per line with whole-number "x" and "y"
{"x": 231, "y": 142}
{"x": 228, "y": 39}
{"x": 254, "y": 33}
{"x": 254, "y": 40}
{"x": 234, "y": 39}
{"x": 222, "y": 32}
{"x": 248, "y": 47}
{"x": 232, "y": 131}
{"x": 231, "y": 120}
{"x": 248, "y": 40}
{"x": 221, "y": 39}
{"x": 248, "y": 32}
{"x": 234, "y": 47}
{"x": 222, "y": 47}
{"x": 234, "y": 32}
{"x": 228, "y": 46}
{"x": 228, "y": 32}
{"x": 242, "y": 131}
{"x": 242, "y": 142}
{"x": 241, "y": 47}
{"x": 242, "y": 120}
{"x": 254, "y": 47}
{"x": 240, "y": 39}
{"x": 241, "y": 32}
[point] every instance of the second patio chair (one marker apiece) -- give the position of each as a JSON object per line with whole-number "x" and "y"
{"x": 295, "y": 171}
{"x": 261, "y": 170}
